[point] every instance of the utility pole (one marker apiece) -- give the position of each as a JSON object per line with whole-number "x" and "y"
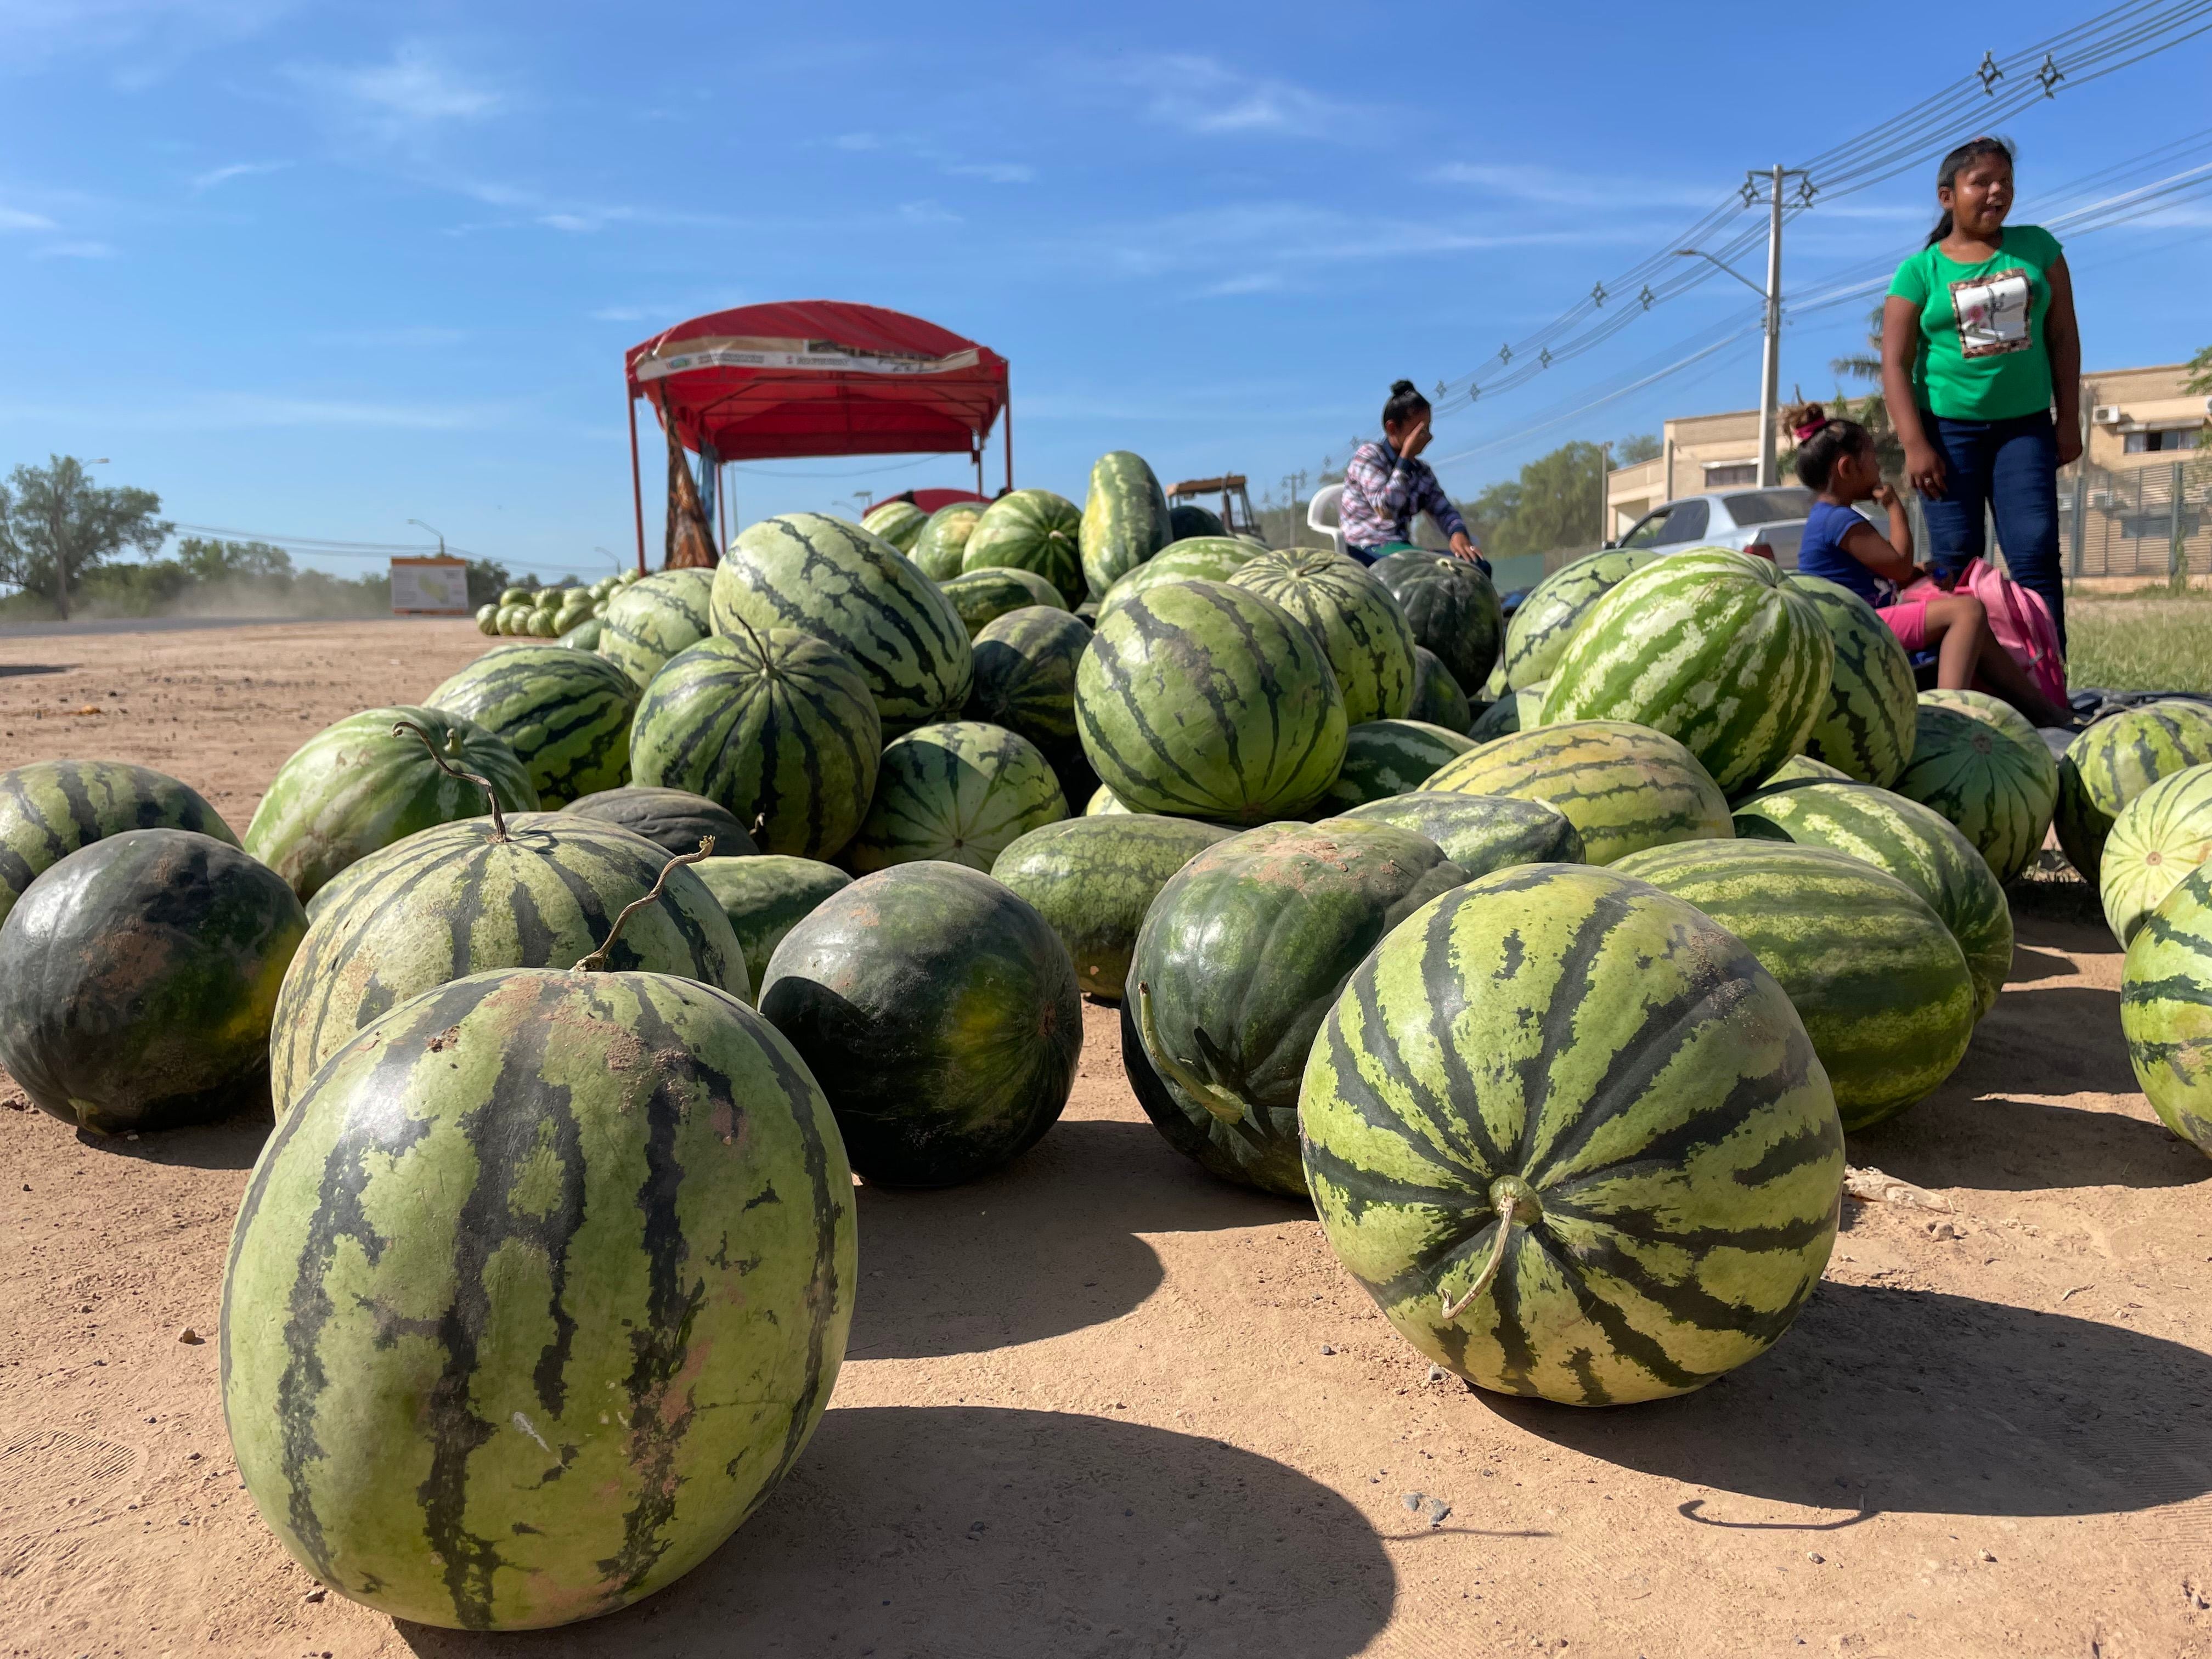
{"x": 1770, "y": 379}
{"x": 1604, "y": 491}
{"x": 1293, "y": 482}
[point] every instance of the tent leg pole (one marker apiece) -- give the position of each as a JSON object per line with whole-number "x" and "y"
{"x": 1010, "y": 443}
{"x": 722, "y": 502}
{"x": 636, "y": 488}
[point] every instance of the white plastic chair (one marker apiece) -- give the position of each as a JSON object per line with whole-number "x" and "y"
{"x": 1322, "y": 514}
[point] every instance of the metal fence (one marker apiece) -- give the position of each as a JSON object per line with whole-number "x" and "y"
{"x": 2153, "y": 522}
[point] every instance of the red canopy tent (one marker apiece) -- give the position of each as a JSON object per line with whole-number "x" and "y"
{"x": 816, "y": 377}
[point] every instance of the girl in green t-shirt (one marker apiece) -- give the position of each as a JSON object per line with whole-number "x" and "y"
{"x": 1978, "y": 343}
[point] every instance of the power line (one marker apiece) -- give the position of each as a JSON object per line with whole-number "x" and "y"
{"x": 322, "y": 547}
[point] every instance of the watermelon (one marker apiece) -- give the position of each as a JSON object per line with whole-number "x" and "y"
{"x": 1711, "y": 647}
{"x": 1092, "y": 879}
{"x": 1879, "y": 980}
{"x": 2116, "y": 760}
{"x": 957, "y": 792}
{"x": 565, "y": 714}
{"x": 1104, "y": 803}
{"x": 539, "y": 891}
{"x": 1995, "y": 782}
{"x": 1517, "y": 711}
{"x": 488, "y": 619}
{"x": 1548, "y": 617}
{"x": 1450, "y": 607}
{"x": 361, "y": 785}
{"x": 1902, "y": 838}
{"x": 1438, "y": 697}
{"x": 1360, "y": 625}
{"x": 1186, "y": 521}
{"x": 1388, "y": 757}
{"x": 899, "y": 523}
{"x": 939, "y": 1011}
{"x": 536, "y": 1295}
{"x": 584, "y": 636}
{"x": 2158, "y": 838}
{"x": 1125, "y": 519}
{"x": 1481, "y": 833}
{"x": 49, "y": 809}
{"x": 1573, "y": 1140}
{"x": 835, "y": 582}
{"x": 1623, "y": 787}
{"x": 516, "y": 595}
{"x": 776, "y": 727}
{"x": 1207, "y": 558}
{"x": 649, "y": 622}
{"x": 2165, "y": 1009}
{"x": 765, "y": 897}
{"x": 1866, "y": 729}
{"x": 509, "y": 619}
{"x": 674, "y": 820}
{"x": 1025, "y": 664}
{"x": 1803, "y": 769}
{"x": 1203, "y": 700}
{"x": 141, "y": 973}
{"x": 982, "y": 597}
{"x": 1240, "y": 957}
{"x": 1030, "y": 529}
{"x": 944, "y": 539}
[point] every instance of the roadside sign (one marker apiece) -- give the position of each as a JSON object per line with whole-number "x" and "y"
{"x": 430, "y": 587}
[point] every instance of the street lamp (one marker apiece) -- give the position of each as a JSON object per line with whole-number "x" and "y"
{"x": 615, "y": 557}
{"x": 435, "y": 530}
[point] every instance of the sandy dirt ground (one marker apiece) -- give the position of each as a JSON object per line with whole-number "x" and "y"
{"x": 1101, "y": 1404}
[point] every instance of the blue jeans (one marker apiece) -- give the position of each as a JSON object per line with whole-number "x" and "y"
{"x": 2010, "y": 468}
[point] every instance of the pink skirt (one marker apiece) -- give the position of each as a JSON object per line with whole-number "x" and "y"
{"x": 1908, "y": 620}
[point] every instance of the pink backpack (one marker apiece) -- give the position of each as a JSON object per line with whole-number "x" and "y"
{"x": 2019, "y": 619}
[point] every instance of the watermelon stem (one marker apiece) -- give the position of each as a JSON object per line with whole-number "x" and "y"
{"x": 491, "y": 795}
{"x": 768, "y": 668}
{"x": 1216, "y": 1100}
{"x": 597, "y": 962}
{"x": 1509, "y": 1195}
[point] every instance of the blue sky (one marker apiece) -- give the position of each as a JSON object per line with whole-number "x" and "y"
{"x": 319, "y": 270}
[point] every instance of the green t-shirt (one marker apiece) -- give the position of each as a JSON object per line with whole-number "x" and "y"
{"x": 1982, "y": 355}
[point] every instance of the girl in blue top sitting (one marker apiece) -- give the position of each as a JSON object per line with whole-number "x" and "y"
{"x": 1836, "y": 460}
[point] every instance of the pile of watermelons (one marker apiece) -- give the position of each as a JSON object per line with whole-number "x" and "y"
{"x": 570, "y": 613}
{"x": 1551, "y": 962}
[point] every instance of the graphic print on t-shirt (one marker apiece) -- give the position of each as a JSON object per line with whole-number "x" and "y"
{"x": 1993, "y": 312}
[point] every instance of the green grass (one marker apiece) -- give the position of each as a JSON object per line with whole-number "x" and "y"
{"x": 2148, "y": 641}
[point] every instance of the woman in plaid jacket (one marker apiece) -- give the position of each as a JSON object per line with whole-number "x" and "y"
{"x": 1387, "y": 484}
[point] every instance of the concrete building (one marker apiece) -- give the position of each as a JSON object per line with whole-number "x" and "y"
{"x": 1697, "y": 453}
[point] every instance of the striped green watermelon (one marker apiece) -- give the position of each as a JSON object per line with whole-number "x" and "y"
{"x": 1481, "y": 833}
{"x": 2158, "y": 838}
{"x": 1866, "y": 730}
{"x": 960, "y": 792}
{"x": 359, "y": 784}
{"x": 1202, "y": 700}
{"x": 1360, "y": 625}
{"x": 1901, "y": 838}
{"x": 1998, "y": 784}
{"x": 487, "y": 618}
{"x": 1239, "y": 958}
{"x": 565, "y": 714}
{"x": 2116, "y": 760}
{"x": 776, "y": 726}
{"x": 1623, "y": 787}
{"x": 1125, "y": 519}
{"x": 1388, "y": 757}
{"x": 584, "y": 636}
{"x": 939, "y": 1011}
{"x": 1548, "y": 617}
{"x": 1206, "y": 558}
{"x": 1881, "y": 985}
{"x": 899, "y": 523}
{"x": 1030, "y": 529}
{"x": 1517, "y": 711}
{"x": 1105, "y": 803}
{"x": 2165, "y": 1009}
{"x": 1093, "y": 878}
{"x": 849, "y": 589}
{"x": 766, "y": 897}
{"x": 1450, "y": 607}
{"x": 1025, "y": 666}
{"x": 141, "y": 973}
{"x": 944, "y": 539}
{"x": 1186, "y": 521}
{"x": 49, "y": 809}
{"x": 1573, "y": 1140}
{"x": 650, "y": 620}
{"x": 1438, "y": 697}
{"x": 1710, "y": 646}
{"x": 982, "y": 597}
{"x": 537, "y": 1296}
{"x": 539, "y": 891}
{"x": 674, "y": 820}
{"x": 1803, "y": 769}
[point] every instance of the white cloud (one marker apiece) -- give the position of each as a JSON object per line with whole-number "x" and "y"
{"x": 214, "y": 176}
{"x": 856, "y": 141}
{"x": 928, "y": 211}
{"x": 139, "y": 41}
{"x": 16, "y": 219}
{"x": 74, "y": 251}
{"x": 1258, "y": 282}
{"x": 1203, "y": 95}
{"x": 997, "y": 173}
{"x": 402, "y": 98}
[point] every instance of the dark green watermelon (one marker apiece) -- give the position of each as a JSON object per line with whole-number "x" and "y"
{"x": 1438, "y": 697}
{"x": 673, "y": 819}
{"x": 565, "y": 712}
{"x": 1452, "y": 608}
{"x": 1383, "y": 758}
{"x": 941, "y": 1015}
{"x": 140, "y": 976}
{"x": 1032, "y": 530}
{"x": 50, "y": 808}
{"x": 1186, "y": 521}
{"x": 1239, "y": 958}
{"x": 1026, "y": 664}
{"x": 983, "y": 596}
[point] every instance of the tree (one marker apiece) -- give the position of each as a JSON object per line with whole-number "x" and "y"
{"x": 1864, "y": 365}
{"x": 1556, "y": 502}
{"x": 487, "y": 580}
{"x": 56, "y": 524}
{"x": 223, "y": 562}
{"x": 1638, "y": 446}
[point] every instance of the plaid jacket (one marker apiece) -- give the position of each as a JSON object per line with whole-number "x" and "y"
{"x": 1383, "y": 492}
